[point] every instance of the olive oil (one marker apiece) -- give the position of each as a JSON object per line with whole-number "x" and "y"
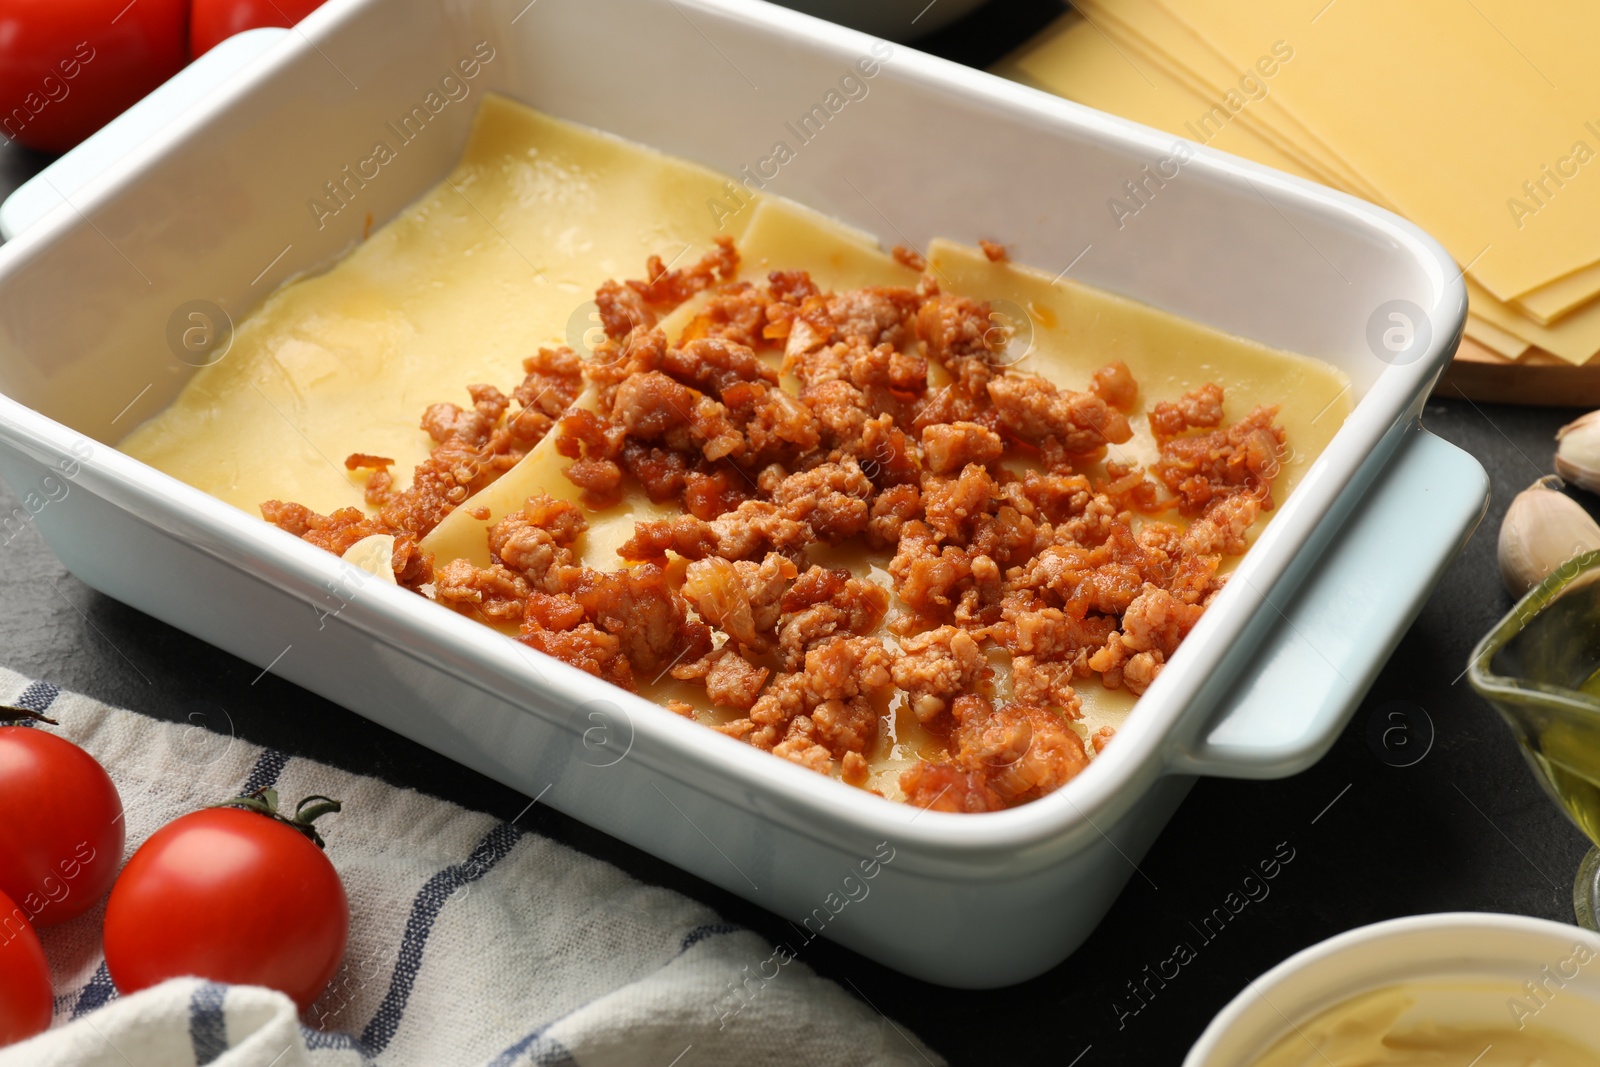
{"x": 1568, "y": 752}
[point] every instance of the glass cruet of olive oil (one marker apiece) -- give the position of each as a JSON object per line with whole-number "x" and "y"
{"x": 1540, "y": 668}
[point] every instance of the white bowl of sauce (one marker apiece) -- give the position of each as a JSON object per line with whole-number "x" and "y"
{"x": 1483, "y": 989}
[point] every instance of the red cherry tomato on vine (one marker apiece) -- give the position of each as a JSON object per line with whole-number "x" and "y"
{"x": 26, "y": 996}
{"x": 61, "y": 828}
{"x": 231, "y": 895}
{"x": 67, "y": 67}
{"x": 211, "y": 21}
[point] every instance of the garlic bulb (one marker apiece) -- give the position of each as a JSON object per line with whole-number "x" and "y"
{"x": 1543, "y": 529}
{"x": 1578, "y": 452}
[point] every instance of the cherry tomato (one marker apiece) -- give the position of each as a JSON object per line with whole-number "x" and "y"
{"x": 231, "y": 895}
{"x": 67, "y": 67}
{"x": 61, "y": 828}
{"x": 26, "y": 996}
{"x": 211, "y": 21}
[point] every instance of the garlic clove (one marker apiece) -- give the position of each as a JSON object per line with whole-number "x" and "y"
{"x": 1578, "y": 452}
{"x": 1543, "y": 528}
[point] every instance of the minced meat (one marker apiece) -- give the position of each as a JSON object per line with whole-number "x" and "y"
{"x": 1006, "y": 524}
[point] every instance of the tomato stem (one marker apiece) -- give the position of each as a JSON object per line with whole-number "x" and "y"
{"x": 11, "y": 714}
{"x": 264, "y": 801}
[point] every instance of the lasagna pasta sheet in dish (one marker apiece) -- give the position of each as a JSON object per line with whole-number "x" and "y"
{"x": 926, "y": 521}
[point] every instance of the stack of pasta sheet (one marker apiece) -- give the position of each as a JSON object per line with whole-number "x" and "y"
{"x": 1477, "y": 119}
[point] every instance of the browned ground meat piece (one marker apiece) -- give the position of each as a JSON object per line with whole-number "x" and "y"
{"x": 583, "y": 646}
{"x": 651, "y": 406}
{"x": 600, "y": 480}
{"x": 494, "y": 592}
{"x": 832, "y": 498}
{"x": 948, "y": 447}
{"x": 1130, "y": 489}
{"x": 822, "y": 604}
{"x": 843, "y": 676}
{"x": 553, "y": 378}
{"x": 736, "y": 312}
{"x": 686, "y": 535}
{"x": 1223, "y": 528}
{"x": 1033, "y": 628}
{"x": 953, "y": 506}
{"x": 1022, "y": 751}
{"x": 854, "y": 769}
{"x": 773, "y": 710}
{"x": 706, "y": 495}
{"x": 449, "y": 422}
{"x": 1114, "y": 383}
{"x": 663, "y": 472}
{"x": 1046, "y": 684}
{"x": 994, "y": 251}
{"x": 891, "y": 510}
{"x": 1152, "y": 627}
{"x": 731, "y": 680}
{"x": 1157, "y": 621}
{"x": 622, "y": 309}
{"x": 1036, "y": 411}
{"x": 910, "y": 257}
{"x": 793, "y": 287}
{"x": 553, "y": 611}
{"x": 928, "y": 578}
{"x": 1048, "y": 497}
{"x": 1006, "y": 535}
{"x": 645, "y": 614}
{"x": 938, "y": 666}
{"x": 863, "y": 365}
{"x": 877, "y": 315}
{"x": 335, "y": 533}
{"x": 828, "y": 710}
{"x": 961, "y": 338}
{"x": 888, "y": 455}
{"x": 840, "y": 410}
{"x": 1241, "y": 458}
{"x": 954, "y": 403}
{"x": 800, "y": 746}
{"x": 740, "y": 598}
{"x": 946, "y": 787}
{"x": 595, "y": 443}
{"x": 380, "y": 483}
{"x": 613, "y": 362}
{"x": 537, "y": 538}
{"x": 712, "y": 364}
{"x": 669, "y": 288}
{"x": 755, "y": 528}
{"x": 776, "y": 427}
{"x": 842, "y": 668}
{"x": 625, "y": 306}
{"x": 1083, "y": 580}
{"x": 734, "y": 682}
{"x": 1200, "y": 407}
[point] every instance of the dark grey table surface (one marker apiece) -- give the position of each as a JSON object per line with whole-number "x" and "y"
{"x": 1465, "y": 828}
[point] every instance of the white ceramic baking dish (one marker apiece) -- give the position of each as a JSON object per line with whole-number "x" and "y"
{"x": 214, "y": 207}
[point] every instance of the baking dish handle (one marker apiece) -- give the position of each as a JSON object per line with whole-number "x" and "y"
{"x": 50, "y": 188}
{"x": 1328, "y": 642}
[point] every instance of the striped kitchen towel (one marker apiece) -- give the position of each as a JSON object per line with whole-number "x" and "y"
{"x": 471, "y": 941}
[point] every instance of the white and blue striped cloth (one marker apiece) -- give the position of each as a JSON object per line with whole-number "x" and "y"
{"x": 471, "y": 942}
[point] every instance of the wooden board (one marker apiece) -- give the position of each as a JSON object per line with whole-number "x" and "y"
{"x": 1536, "y": 378}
